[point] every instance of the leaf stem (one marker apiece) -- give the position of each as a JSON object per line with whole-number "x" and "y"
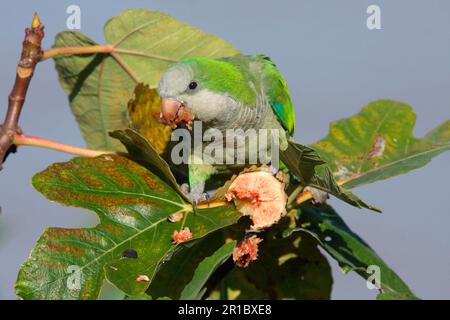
{"x": 146, "y": 55}
{"x": 125, "y": 67}
{"x": 211, "y": 204}
{"x": 66, "y": 51}
{"x": 205, "y": 205}
{"x": 99, "y": 48}
{"x": 21, "y": 140}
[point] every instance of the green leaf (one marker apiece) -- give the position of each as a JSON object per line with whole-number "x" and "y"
{"x": 289, "y": 231}
{"x": 286, "y": 268}
{"x": 133, "y": 206}
{"x": 194, "y": 289}
{"x": 176, "y": 273}
{"x": 143, "y": 152}
{"x": 142, "y": 296}
{"x": 236, "y": 286}
{"x": 378, "y": 143}
{"x": 396, "y": 296}
{"x": 347, "y": 248}
{"x": 145, "y": 44}
{"x": 325, "y": 181}
{"x": 302, "y": 160}
{"x": 304, "y": 163}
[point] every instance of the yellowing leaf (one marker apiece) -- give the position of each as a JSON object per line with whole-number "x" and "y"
{"x": 378, "y": 143}
{"x": 143, "y": 112}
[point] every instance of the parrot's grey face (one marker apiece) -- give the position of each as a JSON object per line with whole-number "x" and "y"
{"x": 185, "y": 98}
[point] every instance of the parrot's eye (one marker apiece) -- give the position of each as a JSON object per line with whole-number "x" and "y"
{"x": 193, "y": 85}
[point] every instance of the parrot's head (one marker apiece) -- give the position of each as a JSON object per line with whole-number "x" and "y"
{"x": 204, "y": 89}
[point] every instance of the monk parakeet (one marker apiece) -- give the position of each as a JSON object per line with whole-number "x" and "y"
{"x": 240, "y": 92}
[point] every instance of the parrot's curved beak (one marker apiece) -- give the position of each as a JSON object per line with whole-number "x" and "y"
{"x": 170, "y": 108}
{"x": 175, "y": 112}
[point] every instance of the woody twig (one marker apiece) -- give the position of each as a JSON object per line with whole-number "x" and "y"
{"x": 30, "y": 56}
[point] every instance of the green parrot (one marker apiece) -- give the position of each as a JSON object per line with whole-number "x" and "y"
{"x": 239, "y": 92}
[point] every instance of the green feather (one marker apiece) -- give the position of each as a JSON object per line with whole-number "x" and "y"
{"x": 242, "y": 78}
{"x": 221, "y": 76}
{"x": 278, "y": 94}
{"x": 233, "y": 75}
{"x": 265, "y": 75}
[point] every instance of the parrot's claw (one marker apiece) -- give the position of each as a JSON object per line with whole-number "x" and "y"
{"x": 274, "y": 170}
{"x": 207, "y": 198}
{"x": 318, "y": 196}
{"x": 185, "y": 188}
{"x": 194, "y": 197}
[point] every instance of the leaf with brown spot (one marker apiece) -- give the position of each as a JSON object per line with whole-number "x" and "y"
{"x": 133, "y": 206}
{"x": 378, "y": 143}
{"x": 142, "y": 151}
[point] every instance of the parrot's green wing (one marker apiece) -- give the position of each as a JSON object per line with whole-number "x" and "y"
{"x": 278, "y": 93}
{"x": 260, "y": 70}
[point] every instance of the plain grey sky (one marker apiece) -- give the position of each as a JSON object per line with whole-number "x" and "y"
{"x": 333, "y": 65}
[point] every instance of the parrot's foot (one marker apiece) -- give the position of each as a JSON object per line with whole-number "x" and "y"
{"x": 283, "y": 177}
{"x": 274, "y": 170}
{"x": 194, "y": 197}
{"x": 318, "y": 196}
{"x": 280, "y": 175}
{"x": 185, "y": 188}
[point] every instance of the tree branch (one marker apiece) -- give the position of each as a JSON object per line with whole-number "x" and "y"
{"x": 31, "y": 54}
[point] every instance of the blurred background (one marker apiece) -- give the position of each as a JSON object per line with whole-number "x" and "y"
{"x": 334, "y": 65}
